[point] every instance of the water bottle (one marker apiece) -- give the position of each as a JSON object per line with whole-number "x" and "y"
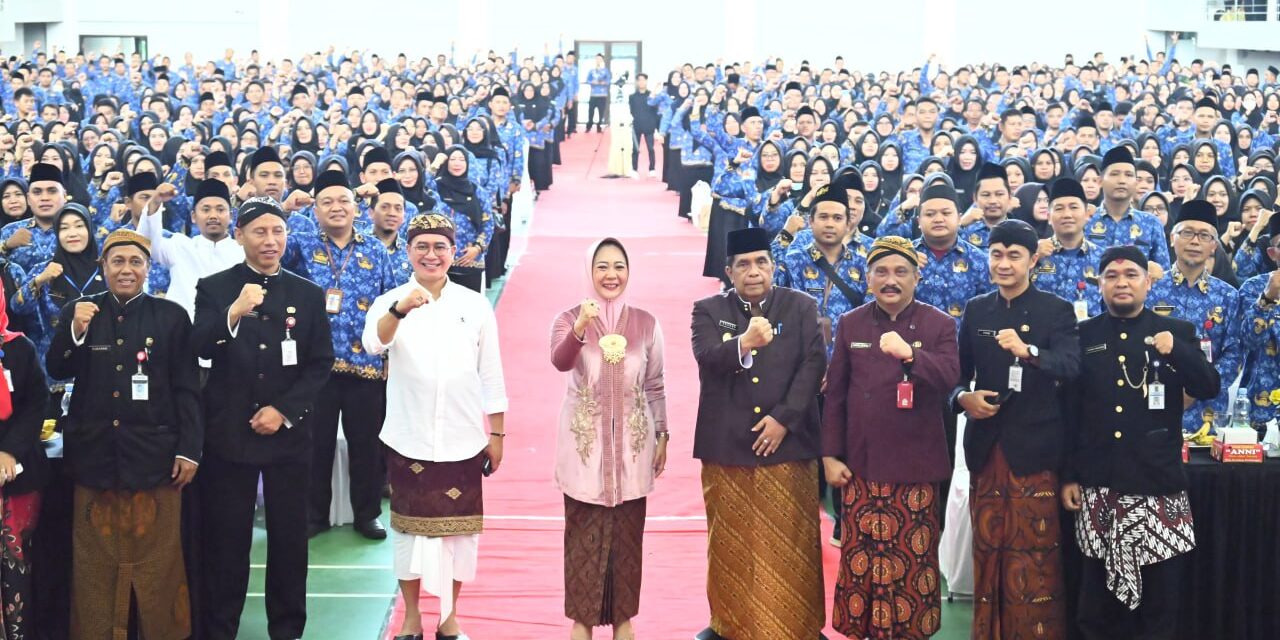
{"x": 1240, "y": 410}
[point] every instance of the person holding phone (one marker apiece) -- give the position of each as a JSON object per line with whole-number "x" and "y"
{"x": 1018, "y": 345}
{"x": 444, "y": 382}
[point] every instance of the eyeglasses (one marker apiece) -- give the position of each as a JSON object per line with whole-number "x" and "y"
{"x": 439, "y": 248}
{"x": 1203, "y": 236}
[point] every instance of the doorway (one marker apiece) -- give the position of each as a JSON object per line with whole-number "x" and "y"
{"x": 623, "y": 58}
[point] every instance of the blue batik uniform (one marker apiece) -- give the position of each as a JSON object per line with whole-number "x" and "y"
{"x": 466, "y": 233}
{"x": 1071, "y": 274}
{"x": 599, "y": 80}
{"x": 44, "y": 242}
{"x": 362, "y": 271}
{"x": 1137, "y": 228}
{"x": 799, "y": 270}
{"x": 914, "y": 149}
{"x": 949, "y": 282}
{"x": 1250, "y": 260}
{"x": 1171, "y": 136}
{"x": 398, "y": 259}
{"x": 512, "y": 135}
{"x": 1260, "y": 336}
{"x": 977, "y": 233}
{"x": 859, "y": 243}
{"x": 1213, "y": 307}
{"x": 736, "y": 188}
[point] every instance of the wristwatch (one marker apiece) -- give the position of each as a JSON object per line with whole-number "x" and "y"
{"x": 396, "y": 312}
{"x": 1034, "y": 351}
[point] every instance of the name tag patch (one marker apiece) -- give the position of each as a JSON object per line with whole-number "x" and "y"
{"x": 1097, "y": 348}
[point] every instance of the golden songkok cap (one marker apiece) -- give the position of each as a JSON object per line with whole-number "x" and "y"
{"x": 885, "y": 246}
{"x": 429, "y": 223}
{"x": 122, "y": 237}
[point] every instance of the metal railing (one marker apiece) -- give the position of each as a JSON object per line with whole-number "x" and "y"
{"x": 1241, "y": 10}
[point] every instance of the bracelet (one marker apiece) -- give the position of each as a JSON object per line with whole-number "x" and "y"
{"x": 663, "y": 436}
{"x": 495, "y": 434}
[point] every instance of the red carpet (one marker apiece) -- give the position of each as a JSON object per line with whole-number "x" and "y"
{"x": 518, "y": 594}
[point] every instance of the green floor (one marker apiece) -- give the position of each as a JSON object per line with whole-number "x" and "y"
{"x": 349, "y": 586}
{"x": 350, "y": 589}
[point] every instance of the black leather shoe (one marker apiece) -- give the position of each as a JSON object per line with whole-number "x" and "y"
{"x": 416, "y": 636}
{"x": 708, "y": 634}
{"x": 316, "y": 528}
{"x": 371, "y": 529}
{"x": 460, "y": 636}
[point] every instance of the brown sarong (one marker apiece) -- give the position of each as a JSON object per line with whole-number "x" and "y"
{"x": 1018, "y": 590}
{"x": 128, "y": 543}
{"x": 888, "y": 587}
{"x": 436, "y": 498}
{"x": 603, "y": 554}
{"x": 764, "y": 555}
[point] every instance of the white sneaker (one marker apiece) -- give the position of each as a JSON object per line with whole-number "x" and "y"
{"x": 634, "y": 175}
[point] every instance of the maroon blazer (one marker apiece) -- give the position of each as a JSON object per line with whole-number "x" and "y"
{"x": 861, "y": 422}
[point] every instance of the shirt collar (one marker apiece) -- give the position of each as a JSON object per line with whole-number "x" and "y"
{"x": 1201, "y": 283}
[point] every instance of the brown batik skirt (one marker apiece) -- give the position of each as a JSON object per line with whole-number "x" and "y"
{"x": 764, "y": 553}
{"x": 888, "y": 586}
{"x": 1018, "y": 588}
{"x": 436, "y": 498}
{"x": 128, "y": 543}
{"x": 603, "y": 553}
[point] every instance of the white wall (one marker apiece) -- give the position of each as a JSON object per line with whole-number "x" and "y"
{"x": 895, "y": 35}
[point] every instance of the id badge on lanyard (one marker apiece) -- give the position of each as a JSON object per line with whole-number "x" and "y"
{"x": 141, "y": 388}
{"x": 1015, "y": 377}
{"x": 333, "y": 300}
{"x": 288, "y": 347}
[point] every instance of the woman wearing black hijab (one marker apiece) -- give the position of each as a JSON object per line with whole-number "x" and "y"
{"x": 13, "y": 200}
{"x": 461, "y": 199}
{"x": 411, "y": 174}
{"x": 302, "y": 171}
{"x": 890, "y": 161}
{"x": 537, "y": 115}
{"x": 71, "y": 273}
{"x": 488, "y": 170}
{"x": 303, "y": 137}
{"x": 1031, "y": 196}
{"x": 72, "y": 176}
{"x": 963, "y": 167}
{"x": 672, "y": 102}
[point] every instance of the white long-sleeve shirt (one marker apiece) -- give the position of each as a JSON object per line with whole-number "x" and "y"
{"x": 444, "y": 373}
{"x": 188, "y": 259}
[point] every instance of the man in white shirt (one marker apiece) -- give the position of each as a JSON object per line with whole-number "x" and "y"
{"x": 444, "y": 377}
{"x": 190, "y": 259}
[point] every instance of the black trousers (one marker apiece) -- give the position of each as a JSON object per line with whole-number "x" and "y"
{"x": 231, "y": 494}
{"x": 361, "y": 404}
{"x": 598, "y": 108}
{"x": 636, "y": 137}
{"x": 1103, "y": 617}
{"x": 689, "y": 176}
{"x": 572, "y": 117}
{"x": 495, "y": 259}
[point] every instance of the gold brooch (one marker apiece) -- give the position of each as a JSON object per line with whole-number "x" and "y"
{"x": 614, "y": 347}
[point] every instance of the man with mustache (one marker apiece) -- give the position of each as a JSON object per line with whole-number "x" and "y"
{"x": 134, "y": 438}
{"x": 1124, "y": 470}
{"x": 760, "y": 358}
{"x": 1212, "y": 306}
{"x": 1017, "y": 346}
{"x": 894, "y": 360}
